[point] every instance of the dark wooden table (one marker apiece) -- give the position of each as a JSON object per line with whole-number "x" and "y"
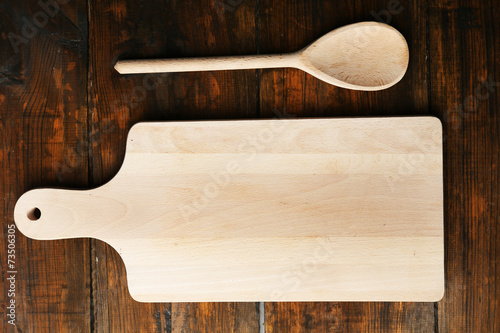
{"x": 65, "y": 114}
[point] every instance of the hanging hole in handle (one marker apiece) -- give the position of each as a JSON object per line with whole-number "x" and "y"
{"x": 34, "y": 214}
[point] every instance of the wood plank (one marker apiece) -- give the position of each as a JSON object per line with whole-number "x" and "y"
{"x": 215, "y": 317}
{"x": 464, "y": 46}
{"x": 287, "y": 26}
{"x": 348, "y": 317}
{"x": 131, "y": 29}
{"x": 43, "y": 142}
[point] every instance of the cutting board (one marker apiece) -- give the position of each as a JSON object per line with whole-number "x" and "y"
{"x": 268, "y": 210}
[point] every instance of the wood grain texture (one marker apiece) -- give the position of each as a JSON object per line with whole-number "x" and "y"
{"x": 43, "y": 142}
{"x": 466, "y": 89}
{"x": 290, "y": 93}
{"x": 462, "y": 38}
{"x": 133, "y": 29}
{"x": 348, "y": 317}
{"x": 314, "y": 209}
{"x": 113, "y": 105}
{"x": 215, "y": 317}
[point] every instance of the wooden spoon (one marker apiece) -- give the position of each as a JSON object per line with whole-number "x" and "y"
{"x": 362, "y": 56}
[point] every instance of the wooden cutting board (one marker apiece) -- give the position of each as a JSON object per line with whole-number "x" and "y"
{"x": 267, "y": 210}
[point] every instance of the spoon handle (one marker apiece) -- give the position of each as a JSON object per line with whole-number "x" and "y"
{"x": 206, "y": 64}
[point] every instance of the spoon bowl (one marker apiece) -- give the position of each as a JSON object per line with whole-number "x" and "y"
{"x": 362, "y": 56}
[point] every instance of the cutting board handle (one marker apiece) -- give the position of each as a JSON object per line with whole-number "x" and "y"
{"x": 48, "y": 214}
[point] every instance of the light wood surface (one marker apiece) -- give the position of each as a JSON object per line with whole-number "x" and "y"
{"x": 297, "y": 209}
{"x": 68, "y": 131}
{"x": 363, "y": 56}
